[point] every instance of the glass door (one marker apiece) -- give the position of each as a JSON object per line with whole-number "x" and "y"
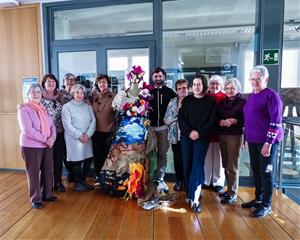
{"x": 119, "y": 61}
{"x": 82, "y": 62}
{"x": 114, "y": 59}
{"x": 120, "y": 57}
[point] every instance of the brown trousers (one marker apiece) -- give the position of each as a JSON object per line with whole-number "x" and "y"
{"x": 39, "y": 171}
{"x": 230, "y": 151}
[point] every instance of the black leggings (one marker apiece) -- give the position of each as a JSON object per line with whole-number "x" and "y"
{"x": 59, "y": 157}
{"x": 101, "y": 146}
{"x": 81, "y": 169}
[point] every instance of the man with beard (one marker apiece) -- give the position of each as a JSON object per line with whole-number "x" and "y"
{"x": 159, "y": 103}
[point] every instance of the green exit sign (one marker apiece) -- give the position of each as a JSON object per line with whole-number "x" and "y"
{"x": 271, "y": 56}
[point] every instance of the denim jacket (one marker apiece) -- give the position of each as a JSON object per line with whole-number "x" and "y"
{"x": 171, "y": 120}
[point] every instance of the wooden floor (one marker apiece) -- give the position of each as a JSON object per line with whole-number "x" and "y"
{"x": 94, "y": 215}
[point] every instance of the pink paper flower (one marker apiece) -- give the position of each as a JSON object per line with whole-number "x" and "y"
{"x": 148, "y": 86}
{"x": 137, "y": 70}
{"x": 145, "y": 93}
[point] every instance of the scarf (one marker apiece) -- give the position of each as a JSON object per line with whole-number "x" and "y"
{"x": 42, "y": 112}
{"x": 47, "y": 96}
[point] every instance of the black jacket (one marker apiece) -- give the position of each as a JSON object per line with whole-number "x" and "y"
{"x": 159, "y": 104}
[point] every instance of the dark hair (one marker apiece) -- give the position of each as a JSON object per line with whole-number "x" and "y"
{"x": 157, "y": 70}
{"x": 102, "y": 76}
{"x": 79, "y": 79}
{"x": 204, "y": 82}
{"x": 181, "y": 81}
{"x": 51, "y": 76}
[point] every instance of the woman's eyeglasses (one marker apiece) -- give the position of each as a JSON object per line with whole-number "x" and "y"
{"x": 181, "y": 88}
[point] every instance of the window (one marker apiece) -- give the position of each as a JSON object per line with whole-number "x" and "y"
{"x": 82, "y": 64}
{"x": 121, "y": 60}
{"x": 209, "y": 37}
{"x": 105, "y": 21}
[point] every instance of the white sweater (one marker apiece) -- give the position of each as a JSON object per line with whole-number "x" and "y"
{"x": 78, "y": 118}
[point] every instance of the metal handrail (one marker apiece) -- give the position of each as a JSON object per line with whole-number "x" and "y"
{"x": 291, "y": 121}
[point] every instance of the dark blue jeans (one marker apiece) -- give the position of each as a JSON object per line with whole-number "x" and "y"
{"x": 193, "y": 156}
{"x": 263, "y": 172}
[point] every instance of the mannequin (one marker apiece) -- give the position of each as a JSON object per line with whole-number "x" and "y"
{"x": 124, "y": 171}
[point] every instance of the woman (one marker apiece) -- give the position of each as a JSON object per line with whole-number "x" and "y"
{"x": 263, "y": 132}
{"x": 231, "y": 123}
{"x": 214, "y": 172}
{"x": 50, "y": 100}
{"x": 65, "y": 97}
{"x": 79, "y": 123}
{"x": 171, "y": 120}
{"x": 196, "y": 120}
{"x": 105, "y": 117}
{"x": 37, "y": 137}
{"x": 69, "y": 81}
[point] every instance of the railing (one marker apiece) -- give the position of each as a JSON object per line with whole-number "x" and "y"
{"x": 288, "y": 167}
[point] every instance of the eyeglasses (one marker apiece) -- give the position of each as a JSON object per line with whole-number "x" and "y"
{"x": 70, "y": 79}
{"x": 256, "y": 79}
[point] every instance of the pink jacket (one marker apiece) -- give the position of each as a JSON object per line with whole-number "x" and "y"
{"x": 31, "y": 132}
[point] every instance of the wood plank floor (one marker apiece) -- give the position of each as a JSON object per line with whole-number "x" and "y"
{"x": 94, "y": 215}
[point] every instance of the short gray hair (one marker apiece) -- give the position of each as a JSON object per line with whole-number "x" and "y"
{"x": 68, "y": 75}
{"x": 33, "y": 86}
{"x": 234, "y": 81}
{"x": 75, "y": 87}
{"x": 261, "y": 70}
{"x": 217, "y": 78}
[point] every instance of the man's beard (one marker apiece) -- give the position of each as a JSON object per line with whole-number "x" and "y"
{"x": 159, "y": 82}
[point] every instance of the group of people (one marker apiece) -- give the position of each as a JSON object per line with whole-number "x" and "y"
{"x": 128, "y": 136}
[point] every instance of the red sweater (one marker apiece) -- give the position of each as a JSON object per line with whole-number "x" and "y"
{"x": 218, "y": 97}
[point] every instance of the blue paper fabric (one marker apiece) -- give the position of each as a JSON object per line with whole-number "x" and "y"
{"x": 130, "y": 131}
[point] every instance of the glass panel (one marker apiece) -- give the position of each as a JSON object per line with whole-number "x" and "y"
{"x": 208, "y": 37}
{"x": 290, "y": 91}
{"x": 290, "y": 79}
{"x": 117, "y": 20}
{"x": 291, "y": 161}
{"x": 81, "y": 64}
{"x": 119, "y": 61}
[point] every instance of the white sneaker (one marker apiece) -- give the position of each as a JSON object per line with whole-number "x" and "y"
{"x": 151, "y": 204}
{"x": 162, "y": 187}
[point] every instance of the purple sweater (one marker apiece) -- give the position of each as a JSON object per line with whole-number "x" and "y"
{"x": 263, "y": 117}
{"x": 31, "y": 132}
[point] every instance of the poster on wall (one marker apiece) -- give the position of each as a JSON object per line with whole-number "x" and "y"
{"x": 26, "y": 83}
{"x": 217, "y": 55}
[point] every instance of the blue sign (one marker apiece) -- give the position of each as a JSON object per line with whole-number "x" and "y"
{"x": 26, "y": 83}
